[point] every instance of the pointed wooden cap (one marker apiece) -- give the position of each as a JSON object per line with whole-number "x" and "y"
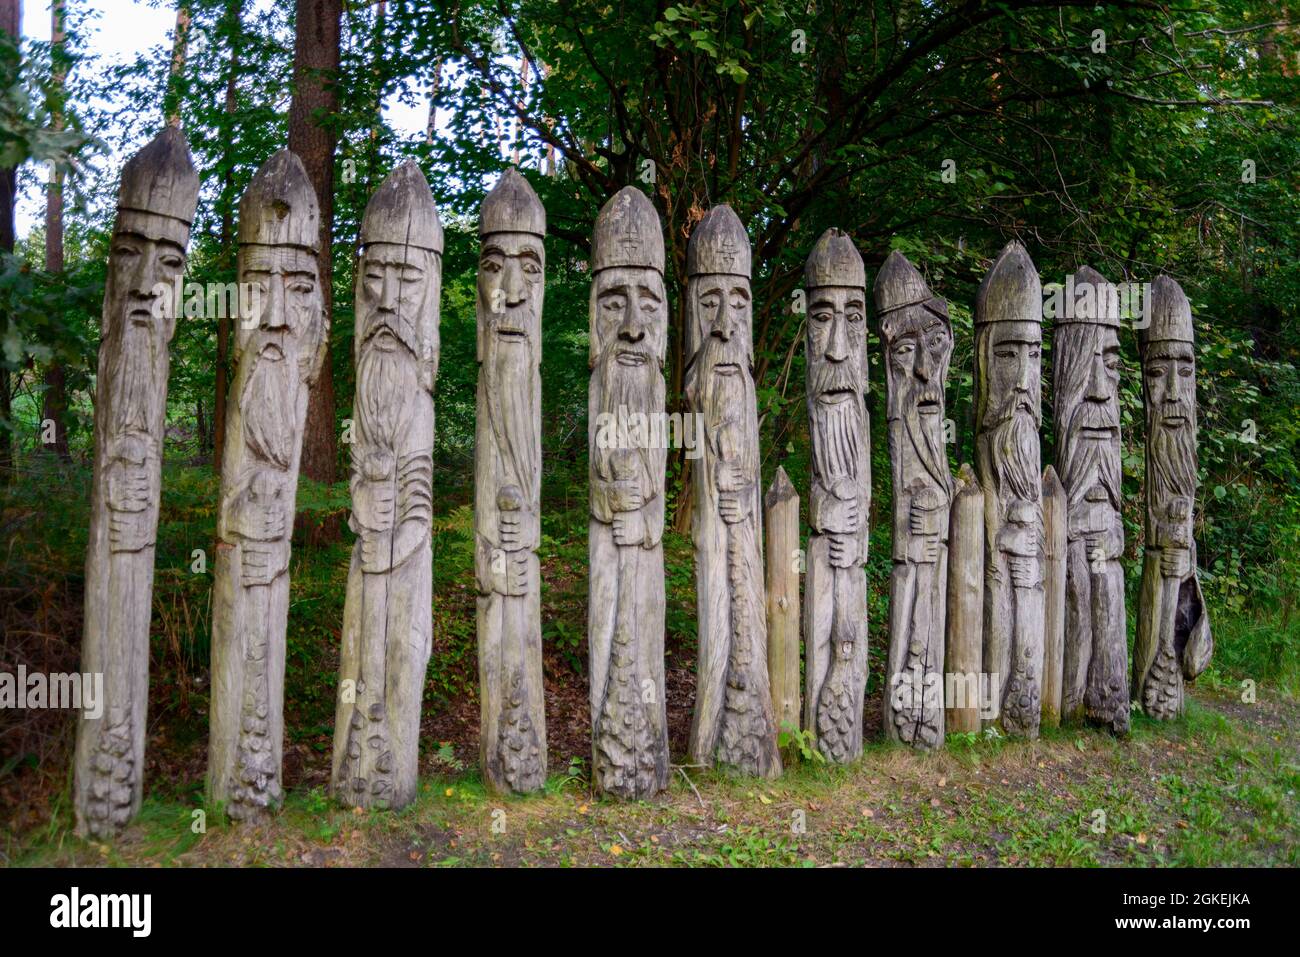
{"x": 1011, "y": 292}
{"x": 1101, "y": 309}
{"x": 512, "y": 207}
{"x": 900, "y": 285}
{"x": 403, "y": 212}
{"x": 781, "y": 489}
{"x": 719, "y": 245}
{"x": 279, "y": 207}
{"x": 628, "y": 233}
{"x": 1171, "y": 314}
{"x": 160, "y": 189}
{"x": 834, "y": 261}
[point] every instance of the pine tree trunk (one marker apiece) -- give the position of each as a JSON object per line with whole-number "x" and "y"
{"x": 55, "y": 407}
{"x": 315, "y": 67}
{"x": 11, "y": 17}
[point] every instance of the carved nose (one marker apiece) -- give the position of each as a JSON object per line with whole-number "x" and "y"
{"x": 513, "y": 283}
{"x": 388, "y": 293}
{"x": 273, "y": 316}
{"x": 1026, "y": 371}
{"x": 145, "y": 275}
{"x": 837, "y": 349}
{"x": 1171, "y": 383}
{"x": 922, "y": 370}
{"x": 629, "y": 330}
{"x": 1097, "y": 389}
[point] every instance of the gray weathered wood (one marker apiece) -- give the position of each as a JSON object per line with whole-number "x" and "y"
{"x": 387, "y": 612}
{"x": 625, "y": 623}
{"x": 1008, "y": 414}
{"x": 733, "y": 724}
{"x": 1173, "y": 643}
{"x": 784, "y": 563}
{"x": 155, "y": 208}
{"x": 278, "y": 352}
{"x": 916, "y": 335}
{"x": 964, "y": 653}
{"x": 835, "y": 600}
{"x": 507, "y": 486}
{"x": 1085, "y": 376}
{"x": 1053, "y": 596}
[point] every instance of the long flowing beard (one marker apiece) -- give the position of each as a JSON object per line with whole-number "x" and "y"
{"x": 132, "y": 379}
{"x": 926, "y": 436}
{"x": 269, "y": 404}
{"x": 387, "y": 386}
{"x": 1014, "y": 450}
{"x": 837, "y": 437}
{"x": 638, "y": 388}
{"x": 1172, "y": 462}
{"x": 1087, "y": 462}
{"x": 510, "y": 402}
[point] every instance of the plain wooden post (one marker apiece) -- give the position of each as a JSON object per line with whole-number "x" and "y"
{"x": 965, "y": 603}
{"x": 1054, "y": 597}
{"x": 781, "y": 508}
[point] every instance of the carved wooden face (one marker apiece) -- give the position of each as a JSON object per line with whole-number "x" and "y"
{"x": 137, "y": 264}
{"x": 1013, "y": 362}
{"x": 511, "y": 270}
{"x": 837, "y": 341}
{"x": 285, "y": 284}
{"x": 629, "y": 316}
{"x": 392, "y": 295}
{"x": 1170, "y": 372}
{"x": 917, "y": 356}
{"x": 1087, "y": 372}
{"x": 722, "y": 317}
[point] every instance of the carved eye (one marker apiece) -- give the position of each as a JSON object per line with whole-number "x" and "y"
{"x": 125, "y": 249}
{"x": 739, "y": 302}
{"x": 172, "y": 261}
{"x": 904, "y": 349}
{"x": 649, "y": 306}
{"x": 1185, "y": 372}
{"x": 1112, "y": 362}
{"x": 614, "y": 303}
{"x": 490, "y": 266}
{"x": 1005, "y": 353}
{"x": 302, "y": 287}
{"x": 855, "y": 316}
{"x": 1155, "y": 371}
{"x": 821, "y": 317}
{"x": 1033, "y": 353}
{"x": 532, "y": 269}
{"x": 709, "y": 302}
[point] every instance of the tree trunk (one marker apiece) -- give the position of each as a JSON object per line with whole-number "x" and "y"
{"x": 11, "y": 18}
{"x": 234, "y": 14}
{"x": 315, "y": 100}
{"x": 180, "y": 41}
{"x": 56, "y": 376}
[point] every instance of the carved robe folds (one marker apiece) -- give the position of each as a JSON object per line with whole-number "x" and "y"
{"x": 277, "y": 353}
{"x": 835, "y": 598}
{"x": 507, "y": 486}
{"x": 1173, "y": 643}
{"x": 1008, "y": 387}
{"x": 156, "y": 201}
{"x": 733, "y": 723}
{"x": 917, "y": 338}
{"x": 625, "y": 624}
{"x": 387, "y": 618}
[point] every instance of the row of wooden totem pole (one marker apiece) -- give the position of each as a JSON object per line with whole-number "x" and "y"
{"x": 999, "y": 572}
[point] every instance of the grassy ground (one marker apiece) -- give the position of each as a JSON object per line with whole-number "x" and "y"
{"x": 1218, "y": 788}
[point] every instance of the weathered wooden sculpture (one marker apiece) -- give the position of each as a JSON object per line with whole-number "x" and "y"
{"x": 784, "y": 566}
{"x": 1008, "y": 411}
{"x": 835, "y": 600}
{"x": 1085, "y": 382}
{"x": 507, "y": 486}
{"x": 733, "y": 723}
{"x": 1173, "y": 629}
{"x": 155, "y": 207}
{"x": 387, "y": 614}
{"x": 625, "y": 624}
{"x": 916, "y": 335}
{"x": 1054, "y": 573}
{"x": 278, "y": 353}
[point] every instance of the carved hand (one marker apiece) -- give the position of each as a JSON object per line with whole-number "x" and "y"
{"x": 844, "y": 550}
{"x": 625, "y": 496}
{"x": 629, "y": 528}
{"x": 1024, "y": 571}
{"x": 730, "y": 476}
{"x": 732, "y": 508}
{"x": 518, "y": 577}
{"x": 1174, "y": 562}
{"x": 376, "y": 552}
{"x": 923, "y": 521}
{"x": 126, "y": 531}
{"x": 834, "y": 514}
{"x": 374, "y": 504}
{"x": 260, "y": 563}
{"x": 128, "y": 489}
{"x": 518, "y": 529}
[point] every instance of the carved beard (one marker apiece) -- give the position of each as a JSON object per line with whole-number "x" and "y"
{"x": 1173, "y": 460}
{"x": 510, "y": 396}
{"x": 387, "y": 384}
{"x": 722, "y": 398}
{"x": 1013, "y": 448}
{"x": 924, "y": 432}
{"x": 269, "y": 404}
{"x": 132, "y": 378}
{"x": 637, "y": 388}
{"x": 837, "y": 437}
{"x": 1085, "y": 462}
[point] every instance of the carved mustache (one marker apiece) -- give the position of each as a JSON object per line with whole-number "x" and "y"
{"x": 1100, "y": 416}
{"x": 831, "y": 377}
